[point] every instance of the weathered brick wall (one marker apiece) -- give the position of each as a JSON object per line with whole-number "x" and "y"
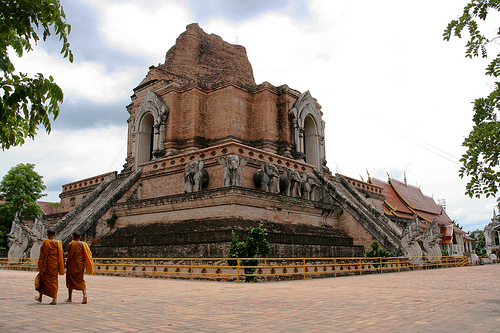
{"x": 211, "y": 238}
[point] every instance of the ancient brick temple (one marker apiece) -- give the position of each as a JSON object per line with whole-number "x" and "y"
{"x": 209, "y": 152}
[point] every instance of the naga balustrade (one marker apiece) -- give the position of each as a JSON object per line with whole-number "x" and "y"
{"x": 266, "y": 269}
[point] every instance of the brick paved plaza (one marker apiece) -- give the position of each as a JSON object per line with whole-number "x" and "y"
{"x": 465, "y": 299}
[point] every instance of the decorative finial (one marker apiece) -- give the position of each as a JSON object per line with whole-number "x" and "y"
{"x": 405, "y": 177}
{"x": 369, "y": 177}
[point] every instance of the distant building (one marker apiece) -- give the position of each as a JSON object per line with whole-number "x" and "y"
{"x": 403, "y": 201}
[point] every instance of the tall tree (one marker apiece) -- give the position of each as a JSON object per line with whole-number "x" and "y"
{"x": 26, "y": 103}
{"x": 481, "y": 161}
{"x": 20, "y": 188}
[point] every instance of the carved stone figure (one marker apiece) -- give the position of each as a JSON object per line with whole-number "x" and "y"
{"x": 195, "y": 177}
{"x": 290, "y": 182}
{"x": 18, "y": 238}
{"x": 232, "y": 169}
{"x": 310, "y": 187}
{"x": 490, "y": 230}
{"x": 430, "y": 240}
{"x": 37, "y": 235}
{"x": 410, "y": 237}
{"x": 324, "y": 168}
{"x": 267, "y": 177}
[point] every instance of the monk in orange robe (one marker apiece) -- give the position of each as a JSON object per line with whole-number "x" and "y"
{"x": 78, "y": 261}
{"x": 50, "y": 264}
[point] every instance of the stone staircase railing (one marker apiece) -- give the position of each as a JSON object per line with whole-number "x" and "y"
{"x": 363, "y": 211}
{"x": 98, "y": 205}
{"x": 72, "y": 214}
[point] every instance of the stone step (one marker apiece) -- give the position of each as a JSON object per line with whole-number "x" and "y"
{"x": 101, "y": 199}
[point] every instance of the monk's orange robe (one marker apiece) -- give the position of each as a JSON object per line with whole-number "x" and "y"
{"x": 79, "y": 259}
{"x": 50, "y": 264}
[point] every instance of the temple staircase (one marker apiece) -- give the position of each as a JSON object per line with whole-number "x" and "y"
{"x": 375, "y": 222}
{"x": 87, "y": 213}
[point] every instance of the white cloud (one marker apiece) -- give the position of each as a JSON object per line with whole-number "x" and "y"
{"x": 88, "y": 80}
{"x": 72, "y": 156}
{"x": 146, "y": 28}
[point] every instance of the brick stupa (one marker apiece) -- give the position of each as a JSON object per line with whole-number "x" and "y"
{"x": 205, "y": 59}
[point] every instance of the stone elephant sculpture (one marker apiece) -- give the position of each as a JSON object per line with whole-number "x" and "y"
{"x": 232, "y": 169}
{"x": 291, "y": 182}
{"x": 195, "y": 176}
{"x": 267, "y": 178}
{"x": 310, "y": 187}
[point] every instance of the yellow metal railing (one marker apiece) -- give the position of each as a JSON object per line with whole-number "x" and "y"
{"x": 21, "y": 264}
{"x": 266, "y": 269}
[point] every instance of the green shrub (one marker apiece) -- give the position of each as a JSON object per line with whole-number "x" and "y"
{"x": 112, "y": 220}
{"x": 255, "y": 245}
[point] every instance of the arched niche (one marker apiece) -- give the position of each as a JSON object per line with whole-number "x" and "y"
{"x": 311, "y": 142}
{"x": 145, "y": 139}
{"x": 148, "y": 129}
{"x": 308, "y": 130}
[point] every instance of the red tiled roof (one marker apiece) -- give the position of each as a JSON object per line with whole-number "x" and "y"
{"x": 392, "y": 200}
{"x": 406, "y": 200}
{"x": 42, "y": 204}
{"x": 45, "y": 207}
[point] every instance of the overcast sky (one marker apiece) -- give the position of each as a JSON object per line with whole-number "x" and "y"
{"x": 396, "y": 98}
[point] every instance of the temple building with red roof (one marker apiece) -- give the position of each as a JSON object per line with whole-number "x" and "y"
{"x": 403, "y": 202}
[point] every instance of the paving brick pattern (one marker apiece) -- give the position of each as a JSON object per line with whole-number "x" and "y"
{"x": 465, "y": 299}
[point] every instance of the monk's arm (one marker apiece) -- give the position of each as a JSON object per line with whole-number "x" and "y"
{"x": 42, "y": 258}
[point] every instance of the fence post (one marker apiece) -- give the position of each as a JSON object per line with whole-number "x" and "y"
{"x": 238, "y": 271}
{"x": 360, "y": 271}
{"x": 153, "y": 268}
{"x": 121, "y": 267}
{"x": 265, "y": 270}
{"x": 380, "y": 265}
{"x": 335, "y": 266}
{"x": 304, "y": 268}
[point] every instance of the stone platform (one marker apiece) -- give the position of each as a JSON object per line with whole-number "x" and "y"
{"x": 210, "y": 238}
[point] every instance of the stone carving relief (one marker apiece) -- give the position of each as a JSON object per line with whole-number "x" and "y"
{"x": 490, "y": 230}
{"x": 310, "y": 187}
{"x": 267, "y": 178}
{"x": 410, "y": 237}
{"x": 324, "y": 168}
{"x": 291, "y": 183}
{"x": 18, "y": 238}
{"x": 195, "y": 177}
{"x": 37, "y": 235}
{"x": 232, "y": 169}
{"x": 430, "y": 240}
